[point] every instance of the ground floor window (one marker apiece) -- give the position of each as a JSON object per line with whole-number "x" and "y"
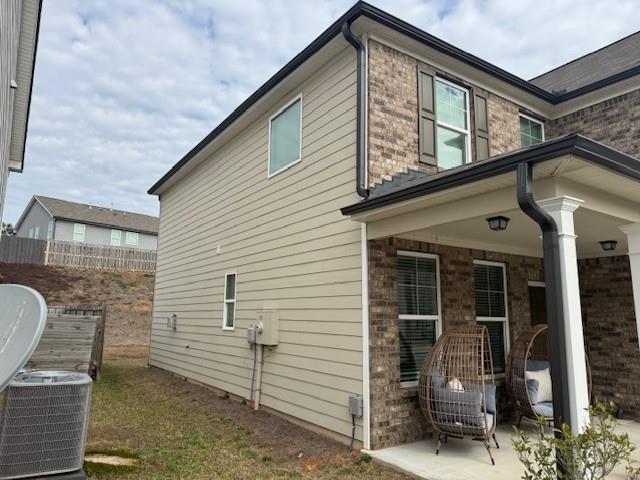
{"x": 418, "y": 292}
{"x": 491, "y": 308}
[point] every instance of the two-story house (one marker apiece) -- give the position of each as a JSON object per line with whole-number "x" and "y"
{"x": 349, "y": 197}
{"x": 19, "y": 25}
{"x": 55, "y": 219}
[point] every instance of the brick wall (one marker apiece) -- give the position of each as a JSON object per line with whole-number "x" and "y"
{"x": 395, "y": 413}
{"x": 611, "y": 332}
{"x": 393, "y": 116}
{"x": 615, "y": 122}
{"x": 608, "y": 315}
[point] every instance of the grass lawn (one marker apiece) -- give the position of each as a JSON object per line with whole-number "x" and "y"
{"x": 182, "y": 431}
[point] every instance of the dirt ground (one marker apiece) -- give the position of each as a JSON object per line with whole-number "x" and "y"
{"x": 128, "y": 295}
{"x": 178, "y": 430}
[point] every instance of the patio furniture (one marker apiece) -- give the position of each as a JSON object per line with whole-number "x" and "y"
{"x": 527, "y": 368}
{"x": 457, "y": 391}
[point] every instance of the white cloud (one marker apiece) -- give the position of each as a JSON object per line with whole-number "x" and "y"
{"x": 123, "y": 89}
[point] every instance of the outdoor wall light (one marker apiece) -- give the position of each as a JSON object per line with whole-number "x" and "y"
{"x": 608, "y": 245}
{"x": 498, "y": 223}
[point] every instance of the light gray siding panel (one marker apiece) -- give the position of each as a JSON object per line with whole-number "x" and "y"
{"x": 292, "y": 250}
{"x": 10, "y": 11}
{"x": 96, "y": 235}
{"x": 37, "y": 217}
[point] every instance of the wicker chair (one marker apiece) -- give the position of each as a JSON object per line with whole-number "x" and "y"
{"x": 530, "y": 352}
{"x": 457, "y": 388}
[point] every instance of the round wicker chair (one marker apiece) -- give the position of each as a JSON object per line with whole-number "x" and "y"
{"x": 457, "y": 388}
{"x": 530, "y": 352}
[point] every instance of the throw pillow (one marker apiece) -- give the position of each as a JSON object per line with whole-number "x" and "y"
{"x": 545, "y": 393}
{"x": 455, "y": 384}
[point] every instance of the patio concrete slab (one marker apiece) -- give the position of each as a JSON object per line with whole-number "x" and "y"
{"x": 467, "y": 460}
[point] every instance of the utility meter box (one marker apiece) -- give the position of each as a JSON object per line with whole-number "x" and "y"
{"x": 270, "y": 324}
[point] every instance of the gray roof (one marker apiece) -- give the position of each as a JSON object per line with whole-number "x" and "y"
{"x": 90, "y": 214}
{"x": 613, "y": 59}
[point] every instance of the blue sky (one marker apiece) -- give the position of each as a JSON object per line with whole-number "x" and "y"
{"x": 124, "y": 88}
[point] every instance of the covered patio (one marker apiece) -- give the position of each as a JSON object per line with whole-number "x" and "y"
{"x": 561, "y": 199}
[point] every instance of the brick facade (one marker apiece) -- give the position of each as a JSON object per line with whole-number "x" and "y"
{"x": 611, "y": 333}
{"x": 393, "y": 116}
{"x": 609, "y": 326}
{"x": 395, "y": 413}
{"x": 615, "y": 122}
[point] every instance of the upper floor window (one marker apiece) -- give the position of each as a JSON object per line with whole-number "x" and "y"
{"x": 452, "y": 116}
{"x": 285, "y": 137}
{"x": 78, "y": 232}
{"x": 531, "y": 131}
{"x": 31, "y": 233}
{"x": 50, "y": 230}
{"x": 36, "y": 232}
{"x": 131, "y": 238}
{"x": 116, "y": 238}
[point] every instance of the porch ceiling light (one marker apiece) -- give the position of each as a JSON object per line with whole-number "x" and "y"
{"x": 498, "y": 223}
{"x": 608, "y": 245}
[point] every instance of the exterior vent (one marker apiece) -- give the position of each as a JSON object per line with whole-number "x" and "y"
{"x": 43, "y": 427}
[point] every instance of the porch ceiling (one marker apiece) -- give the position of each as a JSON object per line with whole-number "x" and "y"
{"x": 457, "y": 216}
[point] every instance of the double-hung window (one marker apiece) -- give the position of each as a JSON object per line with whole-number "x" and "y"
{"x": 418, "y": 309}
{"x": 531, "y": 131}
{"x": 285, "y": 137}
{"x": 452, "y": 116}
{"x": 50, "y": 230}
{"x": 491, "y": 308}
{"x": 131, "y": 238}
{"x": 116, "y": 237}
{"x": 79, "y": 230}
{"x": 36, "y": 232}
{"x": 229, "y": 312}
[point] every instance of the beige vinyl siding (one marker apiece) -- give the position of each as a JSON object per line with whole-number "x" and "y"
{"x": 292, "y": 250}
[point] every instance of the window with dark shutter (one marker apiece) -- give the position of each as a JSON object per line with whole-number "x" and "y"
{"x": 491, "y": 307}
{"x": 419, "y": 317}
{"x": 427, "y": 115}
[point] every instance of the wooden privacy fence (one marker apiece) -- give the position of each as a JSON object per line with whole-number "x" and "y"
{"x": 76, "y": 254}
{"x": 73, "y": 340}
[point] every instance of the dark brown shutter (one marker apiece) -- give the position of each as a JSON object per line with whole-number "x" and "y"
{"x": 427, "y": 115}
{"x": 481, "y": 124}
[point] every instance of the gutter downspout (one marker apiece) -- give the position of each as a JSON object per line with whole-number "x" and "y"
{"x": 361, "y": 114}
{"x": 553, "y": 281}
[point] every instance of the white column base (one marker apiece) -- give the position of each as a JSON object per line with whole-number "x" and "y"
{"x": 561, "y": 209}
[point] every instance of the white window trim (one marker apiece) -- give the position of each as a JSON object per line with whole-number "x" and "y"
{"x": 126, "y": 237}
{"x": 50, "y": 230}
{"x": 282, "y": 109}
{"x": 505, "y": 319}
{"x": 438, "y": 317}
{"x": 119, "y": 237}
{"x": 225, "y": 301}
{"x": 466, "y": 132}
{"x": 534, "y": 120}
{"x": 84, "y": 232}
{"x": 535, "y": 283}
{"x": 36, "y": 232}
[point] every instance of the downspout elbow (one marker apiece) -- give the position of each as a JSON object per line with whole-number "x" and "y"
{"x": 361, "y": 109}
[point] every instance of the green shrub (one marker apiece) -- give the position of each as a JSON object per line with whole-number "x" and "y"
{"x": 592, "y": 454}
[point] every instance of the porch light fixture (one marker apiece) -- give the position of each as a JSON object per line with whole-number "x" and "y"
{"x": 498, "y": 223}
{"x": 608, "y": 245}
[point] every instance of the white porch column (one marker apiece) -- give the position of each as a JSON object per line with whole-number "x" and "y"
{"x": 561, "y": 210}
{"x": 632, "y": 231}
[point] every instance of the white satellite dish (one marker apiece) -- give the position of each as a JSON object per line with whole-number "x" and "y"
{"x": 23, "y": 316}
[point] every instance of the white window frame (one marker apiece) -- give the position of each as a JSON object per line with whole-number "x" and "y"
{"x": 534, "y": 120}
{"x": 36, "y": 232}
{"x": 114, "y": 230}
{"x": 126, "y": 239}
{"x": 505, "y": 319}
{"x": 30, "y": 232}
{"x": 438, "y": 317}
{"x": 84, "y": 232}
{"x": 225, "y": 302}
{"x": 439, "y": 123}
{"x": 275, "y": 115}
{"x": 50, "y": 230}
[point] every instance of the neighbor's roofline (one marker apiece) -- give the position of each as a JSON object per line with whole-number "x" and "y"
{"x": 365, "y": 10}
{"x": 574, "y": 144}
{"x": 105, "y": 225}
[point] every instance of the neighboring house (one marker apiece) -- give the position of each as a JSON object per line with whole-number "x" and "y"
{"x": 350, "y": 195}
{"x": 19, "y": 23}
{"x": 54, "y": 219}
